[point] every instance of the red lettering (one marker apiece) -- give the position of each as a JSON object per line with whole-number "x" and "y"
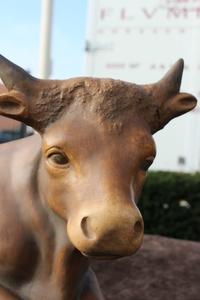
{"x": 183, "y": 12}
{"x": 149, "y": 14}
{"x": 181, "y": 1}
{"x": 198, "y": 12}
{"x": 124, "y": 15}
{"x": 105, "y": 13}
{"x": 177, "y": 12}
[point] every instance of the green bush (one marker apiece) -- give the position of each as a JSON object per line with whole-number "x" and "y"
{"x": 170, "y": 205}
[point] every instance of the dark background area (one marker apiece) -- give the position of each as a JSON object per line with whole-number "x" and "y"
{"x": 170, "y": 205}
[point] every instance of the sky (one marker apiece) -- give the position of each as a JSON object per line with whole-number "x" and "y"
{"x": 20, "y": 22}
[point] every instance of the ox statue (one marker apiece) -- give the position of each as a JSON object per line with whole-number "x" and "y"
{"x": 69, "y": 193}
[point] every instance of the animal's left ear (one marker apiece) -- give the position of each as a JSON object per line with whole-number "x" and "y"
{"x": 167, "y": 101}
{"x": 177, "y": 105}
{"x": 14, "y": 105}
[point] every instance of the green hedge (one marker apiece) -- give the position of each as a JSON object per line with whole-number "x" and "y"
{"x": 170, "y": 205}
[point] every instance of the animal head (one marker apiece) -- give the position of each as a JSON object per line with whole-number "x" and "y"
{"x": 97, "y": 146}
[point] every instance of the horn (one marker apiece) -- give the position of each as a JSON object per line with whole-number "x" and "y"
{"x": 14, "y": 77}
{"x": 170, "y": 84}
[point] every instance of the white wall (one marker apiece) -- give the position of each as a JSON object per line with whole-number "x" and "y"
{"x": 138, "y": 41}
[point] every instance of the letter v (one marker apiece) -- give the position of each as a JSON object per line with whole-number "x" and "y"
{"x": 149, "y": 14}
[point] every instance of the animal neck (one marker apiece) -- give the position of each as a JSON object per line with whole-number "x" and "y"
{"x": 64, "y": 264}
{"x": 69, "y": 272}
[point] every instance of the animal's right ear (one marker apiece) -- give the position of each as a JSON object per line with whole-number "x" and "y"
{"x": 29, "y": 100}
{"x": 14, "y": 105}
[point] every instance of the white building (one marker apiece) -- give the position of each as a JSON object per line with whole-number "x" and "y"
{"x": 138, "y": 41}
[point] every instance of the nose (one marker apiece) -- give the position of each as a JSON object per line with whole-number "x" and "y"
{"x": 109, "y": 233}
{"x": 92, "y": 231}
{"x": 87, "y": 230}
{"x": 138, "y": 228}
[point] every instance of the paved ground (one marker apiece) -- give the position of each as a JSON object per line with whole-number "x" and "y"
{"x": 163, "y": 269}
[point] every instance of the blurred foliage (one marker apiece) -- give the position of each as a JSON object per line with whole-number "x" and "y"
{"x": 170, "y": 205}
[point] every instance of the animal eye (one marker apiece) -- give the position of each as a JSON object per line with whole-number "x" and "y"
{"x": 58, "y": 158}
{"x": 147, "y": 163}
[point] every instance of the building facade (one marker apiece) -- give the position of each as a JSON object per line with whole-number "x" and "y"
{"x": 138, "y": 41}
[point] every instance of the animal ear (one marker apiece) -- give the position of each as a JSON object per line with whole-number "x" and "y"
{"x": 30, "y": 100}
{"x": 19, "y": 102}
{"x": 168, "y": 102}
{"x": 177, "y": 105}
{"x": 13, "y": 105}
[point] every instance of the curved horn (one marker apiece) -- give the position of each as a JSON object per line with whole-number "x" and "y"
{"x": 170, "y": 84}
{"x": 13, "y": 76}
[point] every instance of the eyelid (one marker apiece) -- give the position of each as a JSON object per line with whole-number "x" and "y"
{"x": 57, "y": 165}
{"x": 147, "y": 163}
{"x": 150, "y": 158}
{"x": 54, "y": 150}
{"x": 66, "y": 152}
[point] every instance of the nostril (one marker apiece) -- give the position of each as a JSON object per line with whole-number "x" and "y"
{"x": 86, "y": 228}
{"x": 138, "y": 228}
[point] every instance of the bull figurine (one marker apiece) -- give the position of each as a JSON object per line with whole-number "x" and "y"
{"x": 70, "y": 193}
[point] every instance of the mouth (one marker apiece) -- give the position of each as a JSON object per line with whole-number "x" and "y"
{"x": 100, "y": 256}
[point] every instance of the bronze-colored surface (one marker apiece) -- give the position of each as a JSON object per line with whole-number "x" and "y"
{"x": 70, "y": 193}
{"x": 6, "y": 123}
